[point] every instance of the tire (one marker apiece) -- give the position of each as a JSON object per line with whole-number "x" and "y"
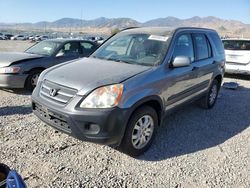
{"x": 30, "y": 83}
{"x": 209, "y": 100}
{"x": 4, "y": 171}
{"x": 136, "y": 139}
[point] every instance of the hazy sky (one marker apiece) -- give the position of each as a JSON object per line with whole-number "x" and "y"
{"x": 141, "y": 10}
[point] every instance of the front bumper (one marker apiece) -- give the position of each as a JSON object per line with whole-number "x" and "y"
{"x": 12, "y": 80}
{"x": 238, "y": 69}
{"x": 103, "y": 126}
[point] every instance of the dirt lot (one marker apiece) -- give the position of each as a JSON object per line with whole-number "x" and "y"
{"x": 194, "y": 147}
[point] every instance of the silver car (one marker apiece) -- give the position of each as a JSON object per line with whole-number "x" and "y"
{"x": 121, "y": 93}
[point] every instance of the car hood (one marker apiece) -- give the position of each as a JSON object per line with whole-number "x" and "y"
{"x": 87, "y": 74}
{"x": 7, "y": 58}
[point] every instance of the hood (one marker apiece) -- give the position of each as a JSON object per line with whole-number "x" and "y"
{"x": 89, "y": 73}
{"x": 7, "y": 58}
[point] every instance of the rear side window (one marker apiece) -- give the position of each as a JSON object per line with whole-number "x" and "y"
{"x": 217, "y": 42}
{"x": 202, "y": 47}
{"x": 87, "y": 45}
{"x": 86, "y": 48}
{"x": 184, "y": 47}
{"x": 236, "y": 44}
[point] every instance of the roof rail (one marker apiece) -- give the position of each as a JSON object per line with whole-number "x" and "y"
{"x": 127, "y": 28}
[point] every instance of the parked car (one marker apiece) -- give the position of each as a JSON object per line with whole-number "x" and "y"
{"x": 2, "y": 37}
{"x": 36, "y": 38}
{"x": 18, "y": 37}
{"x": 41, "y": 38}
{"x": 19, "y": 70}
{"x": 97, "y": 39}
{"x": 121, "y": 93}
{"x": 237, "y": 56}
{"x": 8, "y": 36}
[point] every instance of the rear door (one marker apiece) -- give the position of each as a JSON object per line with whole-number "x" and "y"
{"x": 204, "y": 63}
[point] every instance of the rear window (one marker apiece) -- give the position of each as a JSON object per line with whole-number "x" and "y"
{"x": 203, "y": 50}
{"x": 217, "y": 42}
{"x": 236, "y": 44}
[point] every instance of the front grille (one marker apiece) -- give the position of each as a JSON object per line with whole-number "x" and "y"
{"x": 62, "y": 96}
{"x": 52, "y": 118}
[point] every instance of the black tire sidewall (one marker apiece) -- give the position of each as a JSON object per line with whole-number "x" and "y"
{"x": 215, "y": 82}
{"x": 28, "y": 84}
{"x": 126, "y": 145}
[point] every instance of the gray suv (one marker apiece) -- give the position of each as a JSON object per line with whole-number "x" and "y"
{"x": 120, "y": 94}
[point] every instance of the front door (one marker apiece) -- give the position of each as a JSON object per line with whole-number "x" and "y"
{"x": 182, "y": 79}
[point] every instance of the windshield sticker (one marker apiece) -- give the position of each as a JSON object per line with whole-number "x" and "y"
{"x": 47, "y": 48}
{"x": 157, "y": 37}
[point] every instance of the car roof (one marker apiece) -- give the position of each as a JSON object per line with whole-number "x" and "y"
{"x": 163, "y": 30}
{"x": 69, "y": 40}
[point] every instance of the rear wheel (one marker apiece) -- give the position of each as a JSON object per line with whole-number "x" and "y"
{"x": 32, "y": 79}
{"x": 140, "y": 131}
{"x": 210, "y": 98}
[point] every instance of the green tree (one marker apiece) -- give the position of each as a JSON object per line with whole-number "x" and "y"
{"x": 115, "y": 31}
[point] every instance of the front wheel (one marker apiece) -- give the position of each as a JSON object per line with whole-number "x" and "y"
{"x": 32, "y": 79}
{"x": 140, "y": 131}
{"x": 210, "y": 98}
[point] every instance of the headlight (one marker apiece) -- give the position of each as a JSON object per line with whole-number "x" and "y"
{"x": 103, "y": 97}
{"x": 7, "y": 70}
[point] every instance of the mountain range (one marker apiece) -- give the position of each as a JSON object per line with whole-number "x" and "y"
{"x": 230, "y": 27}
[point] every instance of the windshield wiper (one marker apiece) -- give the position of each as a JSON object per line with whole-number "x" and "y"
{"x": 118, "y": 60}
{"x": 112, "y": 59}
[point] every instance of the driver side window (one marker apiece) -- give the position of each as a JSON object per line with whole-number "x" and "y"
{"x": 69, "y": 49}
{"x": 184, "y": 47}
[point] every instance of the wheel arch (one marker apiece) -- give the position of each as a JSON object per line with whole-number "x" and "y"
{"x": 218, "y": 78}
{"x": 153, "y": 101}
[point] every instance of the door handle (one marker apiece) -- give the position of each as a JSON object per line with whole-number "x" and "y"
{"x": 195, "y": 68}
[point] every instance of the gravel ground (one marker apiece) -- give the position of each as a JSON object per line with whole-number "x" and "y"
{"x": 193, "y": 148}
{"x": 17, "y": 45}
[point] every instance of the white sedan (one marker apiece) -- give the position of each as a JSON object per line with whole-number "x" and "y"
{"x": 18, "y": 37}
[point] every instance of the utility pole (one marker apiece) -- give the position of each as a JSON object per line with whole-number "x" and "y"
{"x": 81, "y": 29}
{"x": 44, "y": 28}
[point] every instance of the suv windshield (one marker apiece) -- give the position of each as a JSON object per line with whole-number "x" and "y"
{"x": 139, "y": 49}
{"x": 44, "y": 48}
{"x": 236, "y": 44}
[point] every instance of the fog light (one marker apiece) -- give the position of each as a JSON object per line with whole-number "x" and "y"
{"x": 92, "y": 128}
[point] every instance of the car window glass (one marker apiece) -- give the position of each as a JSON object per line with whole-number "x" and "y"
{"x": 140, "y": 49}
{"x": 86, "y": 45}
{"x": 217, "y": 42}
{"x": 236, "y": 44}
{"x": 119, "y": 46}
{"x": 202, "y": 47}
{"x": 44, "y": 48}
{"x": 69, "y": 49}
{"x": 184, "y": 47}
{"x": 87, "y": 48}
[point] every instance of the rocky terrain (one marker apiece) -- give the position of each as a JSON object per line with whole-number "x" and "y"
{"x": 231, "y": 28}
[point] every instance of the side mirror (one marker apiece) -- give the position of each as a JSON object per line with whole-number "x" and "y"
{"x": 181, "y": 61}
{"x": 59, "y": 54}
